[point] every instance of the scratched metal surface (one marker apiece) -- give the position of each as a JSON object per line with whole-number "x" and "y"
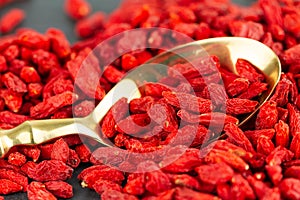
{"x": 42, "y": 14}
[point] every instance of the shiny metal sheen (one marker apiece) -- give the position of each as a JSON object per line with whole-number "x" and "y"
{"x": 228, "y": 49}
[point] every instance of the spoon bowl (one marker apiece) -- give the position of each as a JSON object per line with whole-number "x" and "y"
{"x": 228, "y": 49}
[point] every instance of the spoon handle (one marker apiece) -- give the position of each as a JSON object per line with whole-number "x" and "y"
{"x": 40, "y": 131}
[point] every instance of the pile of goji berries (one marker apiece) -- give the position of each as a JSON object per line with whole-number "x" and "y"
{"x": 258, "y": 161}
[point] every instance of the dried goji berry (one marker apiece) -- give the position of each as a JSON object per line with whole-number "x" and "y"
{"x": 84, "y": 108}
{"x": 282, "y": 135}
{"x": 37, "y": 190}
{"x": 241, "y": 188}
{"x": 60, "y": 150}
{"x": 60, "y": 189}
{"x": 253, "y": 135}
{"x": 91, "y": 174}
{"x": 11, "y": 52}
{"x": 188, "y": 102}
{"x": 59, "y": 43}
{"x": 129, "y": 61}
{"x": 279, "y": 155}
{"x": 34, "y": 40}
{"x": 231, "y": 159}
{"x": 164, "y": 115}
{"x": 294, "y": 119}
{"x": 73, "y": 160}
{"x": 259, "y": 187}
{"x": 16, "y": 158}
{"x": 248, "y": 29}
{"x": 45, "y": 61}
{"x": 112, "y": 74}
{"x": 77, "y": 9}
{"x": 15, "y": 177}
{"x": 34, "y": 90}
{"x": 264, "y": 145}
{"x": 207, "y": 173}
{"x": 289, "y": 188}
{"x": 32, "y": 152}
{"x": 274, "y": 173}
{"x": 51, "y": 170}
{"x": 52, "y": 104}
{"x": 103, "y": 185}
{"x": 8, "y": 186}
{"x": 83, "y": 152}
{"x": 185, "y": 193}
{"x": 12, "y": 118}
{"x": 295, "y": 145}
{"x": 3, "y": 64}
{"x": 178, "y": 161}
{"x": 267, "y": 116}
{"x": 238, "y": 136}
{"x": 13, "y": 82}
{"x": 157, "y": 182}
{"x": 223, "y": 191}
{"x": 185, "y": 181}
{"x": 46, "y": 150}
{"x": 255, "y": 89}
{"x": 87, "y": 26}
{"x": 11, "y": 19}
{"x": 237, "y": 106}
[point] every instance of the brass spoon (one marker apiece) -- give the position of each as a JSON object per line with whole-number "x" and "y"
{"x": 228, "y": 49}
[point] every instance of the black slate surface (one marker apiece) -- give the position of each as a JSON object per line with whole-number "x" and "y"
{"x": 42, "y": 14}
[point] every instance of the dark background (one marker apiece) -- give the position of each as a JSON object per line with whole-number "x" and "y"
{"x": 42, "y": 14}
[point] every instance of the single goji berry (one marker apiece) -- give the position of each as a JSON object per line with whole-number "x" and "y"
{"x": 238, "y": 136}
{"x": 12, "y": 118}
{"x": 253, "y": 135}
{"x": 59, "y": 43}
{"x": 11, "y": 52}
{"x": 207, "y": 173}
{"x": 51, "y": 170}
{"x": 103, "y": 185}
{"x": 135, "y": 184}
{"x": 90, "y": 175}
{"x": 188, "y": 102}
{"x": 13, "y": 82}
{"x": 8, "y": 186}
{"x": 60, "y": 189}
{"x": 177, "y": 160}
{"x": 264, "y": 145}
{"x": 129, "y": 61}
{"x": 37, "y": 190}
{"x": 87, "y": 26}
{"x": 11, "y": 19}
{"x": 237, "y": 106}
{"x": 185, "y": 181}
{"x": 52, "y": 104}
{"x": 157, "y": 182}
{"x": 84, "y": 153}
{"x": 294, "y": 119}
{"x": 15, "y": 177}
{"x": 77, "y": 9}
{"x": 289, "y": 188}
{"x": 84, "y": 108}
{"x": 30, "y": 75}
{"x": 16, "y": 158}
{"x": 267, "y": 116}
{"x": 73, "y": 160}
